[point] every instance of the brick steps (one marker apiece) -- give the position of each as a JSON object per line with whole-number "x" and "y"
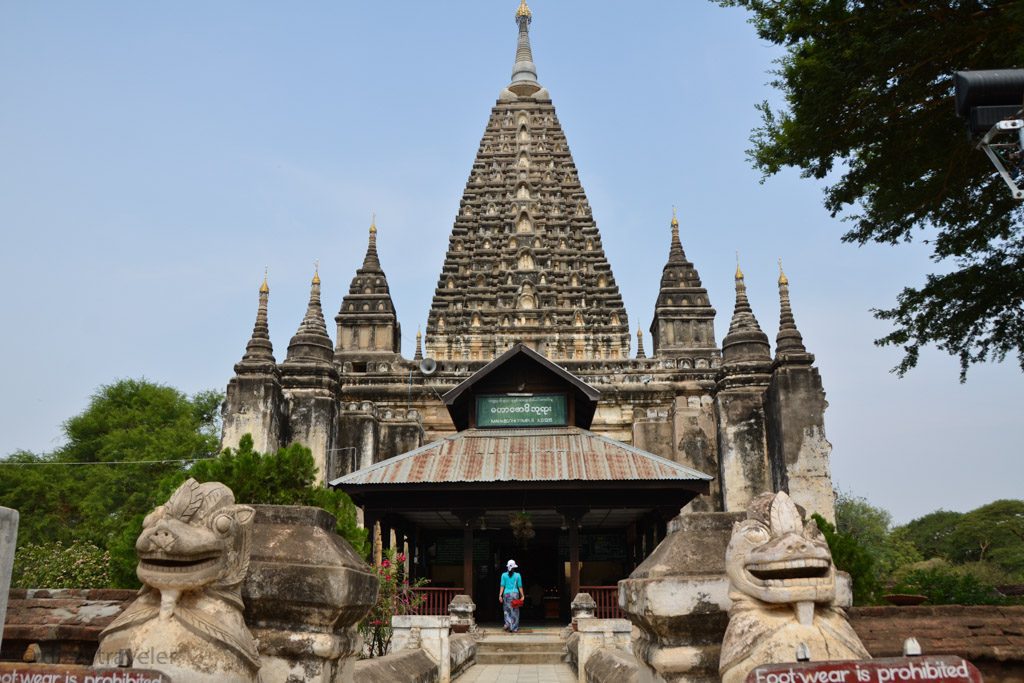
{"x": 521, "y": 649}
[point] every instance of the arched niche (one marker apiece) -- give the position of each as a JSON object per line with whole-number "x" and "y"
{"x": 523, "y": 223}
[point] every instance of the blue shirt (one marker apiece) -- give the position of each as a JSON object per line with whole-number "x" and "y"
{"x": 512, "y": 584}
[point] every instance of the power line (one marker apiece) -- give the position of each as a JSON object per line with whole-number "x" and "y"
{"x": 100, "y": 462}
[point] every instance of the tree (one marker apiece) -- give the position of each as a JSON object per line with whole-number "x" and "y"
{"x": 852, "y": 557}
{"x": 100, "y": 484}
{"x": 287, "y": 477}
{"x": 930, "y": 533}
{"x": 994, "y": 533}
{"x": 871, "y": 527}
{"x": 868, "y": 90}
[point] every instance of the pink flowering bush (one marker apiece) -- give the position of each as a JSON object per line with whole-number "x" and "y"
{"x": 397, "y": 596}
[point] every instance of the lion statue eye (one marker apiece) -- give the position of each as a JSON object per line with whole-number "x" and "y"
{"x": 222, "y": 524}
{"x": 757, "y": 534}
{"x": 153, "y": 517}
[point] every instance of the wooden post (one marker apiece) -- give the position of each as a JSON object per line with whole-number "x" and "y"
{"x": 385, "y": 534}
{"x": 467, "y": 556}
{"x": 650, "y": 536}
{"x": 574, "y": 558}
{"x": 631, "y": 554}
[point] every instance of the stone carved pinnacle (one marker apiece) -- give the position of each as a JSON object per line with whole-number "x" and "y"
{"x": 743, "y": 316}
{"x": 311, "y": 341}
{"x": 259, "y": 347}
{"x": 640, "y": 353}
{"x": 371, "y": 261}
{"x": 745, "y": 340}
{"x": 675, "y": 252}
{"x": 789, "y": 341}
{"x": 524, "y": 71}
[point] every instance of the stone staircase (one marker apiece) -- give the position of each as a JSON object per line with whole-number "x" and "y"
{"x": 542, "y": 647}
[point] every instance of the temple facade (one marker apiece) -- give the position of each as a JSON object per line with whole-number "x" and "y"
{"x": 525, "y": 265}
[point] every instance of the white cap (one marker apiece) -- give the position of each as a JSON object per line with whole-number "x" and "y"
{"x": 512, "y": 565}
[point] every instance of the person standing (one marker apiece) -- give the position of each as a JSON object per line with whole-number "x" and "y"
{"x": 511, "y": 589}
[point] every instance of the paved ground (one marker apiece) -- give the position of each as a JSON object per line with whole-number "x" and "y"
{"x": 518, "y": 673}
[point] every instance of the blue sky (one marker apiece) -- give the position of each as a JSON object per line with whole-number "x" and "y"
{"x": 155, "y": 157}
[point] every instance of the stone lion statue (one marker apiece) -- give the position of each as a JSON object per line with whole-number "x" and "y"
{"x": 783, "y": 592}
{"x": 187, "y": 620}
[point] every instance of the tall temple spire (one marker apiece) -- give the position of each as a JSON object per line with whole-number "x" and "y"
{"x": 253, "y": 403}
{"x": 524, "y": 72}
{"x": 675, "y": 252}
{"x": 789, "y": 343}
{"x": 311, "y": 341}
{"x": 372, "y": 261}
{"x": 418, "y": 355}
{"x": 259, "y": 350}
{"x": 640, "y": 353}
{"x": 525, "y": 258}
{"x": 745, "y": 340}
{"x": 683, "y": 324}
{"x": 367, "y": 322}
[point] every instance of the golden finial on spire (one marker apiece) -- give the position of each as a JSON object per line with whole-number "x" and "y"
{"x": 739, "y": 273}
{"x": 783, "y": 280}
{"x": 419, "y": 333}
{"x": 523, "y": 10}
{"x": 265, "y": 288}
{"x": 373, "y": 224}
{"x": 675, "y": 220}
{"x": 316, "y": 272}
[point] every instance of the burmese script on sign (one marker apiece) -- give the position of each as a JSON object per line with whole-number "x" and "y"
{"x": 520, "y": 411}
{"x": 57, "y": 673}
{"x": 937, "y": 669}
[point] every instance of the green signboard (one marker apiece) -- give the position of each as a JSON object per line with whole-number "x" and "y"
{"x": 543, "y": 410}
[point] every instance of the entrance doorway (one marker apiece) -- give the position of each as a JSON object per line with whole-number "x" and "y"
{"x": 540, "y": 566}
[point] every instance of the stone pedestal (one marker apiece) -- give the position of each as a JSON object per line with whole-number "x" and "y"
{"x": 583, "y": 607}
{"x": 597, "y": 634}
{"x": 305, "y": 594}
{"x": 678, "y": 600}
{"x": 429, "y": 633}
{"x": 462, "y": 610}
{"x": 8, "y": 542}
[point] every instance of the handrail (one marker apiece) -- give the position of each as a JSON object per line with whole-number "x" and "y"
{"x": 607, "y": 599}
{"x": 435, "y": 600}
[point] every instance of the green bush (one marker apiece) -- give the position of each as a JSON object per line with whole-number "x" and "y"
{"x": 54, "y": 565}
{"x": 947, "y": 585}
{"x": 851, "y": 556}
{"x": 287, "y": 477}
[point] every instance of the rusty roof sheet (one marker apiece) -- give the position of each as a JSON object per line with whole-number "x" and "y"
{"x": 496, "y": 455}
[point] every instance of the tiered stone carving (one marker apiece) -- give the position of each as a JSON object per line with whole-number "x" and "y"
{"x": 783, "y": 592}
{"x": 525, "y": 260}
{"x": 187, "y": 621}
{"x": 684, "y": 321}
{"x": 368, "y": 327}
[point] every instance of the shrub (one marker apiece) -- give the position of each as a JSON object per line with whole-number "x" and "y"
{"x": 54, "y": 565}
{"x": 945, "y": 585}
{"x": 395, "y": 597}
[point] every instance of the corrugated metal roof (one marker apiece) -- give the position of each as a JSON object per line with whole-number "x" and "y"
{"x": 496, "y": 455}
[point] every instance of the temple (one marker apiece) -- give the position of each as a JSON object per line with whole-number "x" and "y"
{"x": 526, "y": 312}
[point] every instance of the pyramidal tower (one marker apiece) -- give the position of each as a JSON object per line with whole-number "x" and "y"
{"x": 525, "y": 260}
{"x": 525, "y": 264}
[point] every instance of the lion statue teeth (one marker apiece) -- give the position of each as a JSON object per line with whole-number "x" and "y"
{"x": 187, "y": 620}
{"x": 783, "y": 590}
